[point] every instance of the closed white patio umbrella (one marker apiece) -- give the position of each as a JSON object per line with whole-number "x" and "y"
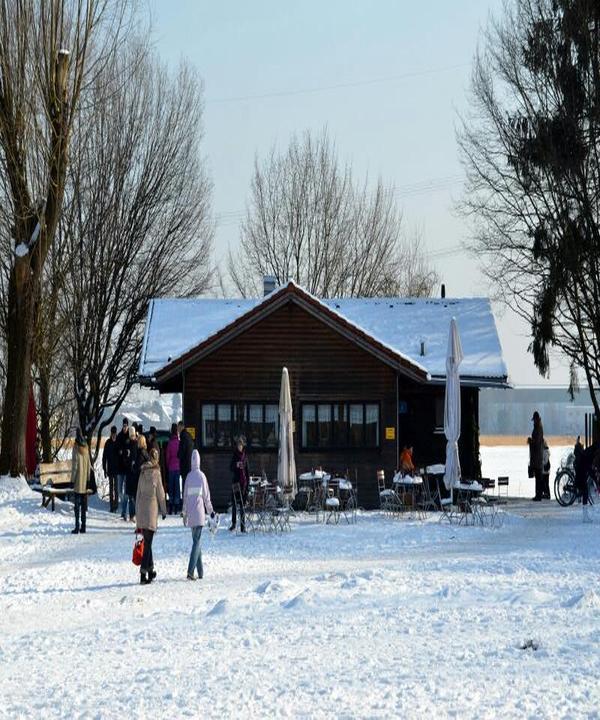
{"x": 286, "y": 464}
{"x": 452, "y": 407}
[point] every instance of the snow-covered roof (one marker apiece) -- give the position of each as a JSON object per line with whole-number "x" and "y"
{"x": 176, "y": 326}
{"x": 405, "y": 323}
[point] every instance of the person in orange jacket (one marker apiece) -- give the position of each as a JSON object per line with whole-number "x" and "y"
{"x": 407, "y": 467}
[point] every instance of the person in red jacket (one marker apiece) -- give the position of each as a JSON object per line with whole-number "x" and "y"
{"x": 173, "y": 471}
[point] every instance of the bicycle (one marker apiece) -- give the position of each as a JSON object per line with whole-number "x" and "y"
{"x": 566, "y": 490}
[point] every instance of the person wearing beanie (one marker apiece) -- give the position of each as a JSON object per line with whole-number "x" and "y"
{"x": 150, "y": 498}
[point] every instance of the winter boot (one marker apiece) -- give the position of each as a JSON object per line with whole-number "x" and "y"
{"x": 587, "y": 518}
{"x": 143, "y": 578}
{"x": 75, "y": 531}
{"x": 151, "y": 575}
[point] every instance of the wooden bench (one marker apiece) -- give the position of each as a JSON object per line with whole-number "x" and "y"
{"x": 54, "y": 481}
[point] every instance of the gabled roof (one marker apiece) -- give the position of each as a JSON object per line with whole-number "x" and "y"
{"x": 180, "y": 331}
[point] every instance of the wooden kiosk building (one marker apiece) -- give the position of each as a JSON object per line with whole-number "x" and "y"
{"x": 367, "y": 377}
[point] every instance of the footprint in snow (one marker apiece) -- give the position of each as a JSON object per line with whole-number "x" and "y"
{"x": 353, "y": 582}
{"x": 329, "y": 577}
{"x": 589, "y": 600}
{"x": 366, "y": 574}
{"x": 270, "y": 586}
{"x": 296, "y": 602}
{"x": 219, "y": 608}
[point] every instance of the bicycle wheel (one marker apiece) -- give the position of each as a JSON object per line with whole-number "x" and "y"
{"x": 592, "y": 491}
{"x": 565, "y": 490}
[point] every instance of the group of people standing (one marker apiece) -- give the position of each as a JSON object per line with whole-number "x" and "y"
{"x": 126, "y": 452}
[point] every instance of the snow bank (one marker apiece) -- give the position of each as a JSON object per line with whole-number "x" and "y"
{"x": 12, "y": 489}
{"x": 390, "y": 617}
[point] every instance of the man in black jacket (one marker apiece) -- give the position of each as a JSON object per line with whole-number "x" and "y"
{"x": 110, "y": 466}
{"x": 186, "y": 447}
{"x": 122, "y": 465}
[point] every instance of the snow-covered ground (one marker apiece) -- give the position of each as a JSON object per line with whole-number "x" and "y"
{"x": 387, "y": 618}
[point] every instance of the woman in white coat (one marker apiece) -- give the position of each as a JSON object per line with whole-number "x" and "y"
{"x": 196, "y": 503}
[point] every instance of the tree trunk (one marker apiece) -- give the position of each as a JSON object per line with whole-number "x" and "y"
{"x": 45, "y": 432}
{"x": 21, "y": 315}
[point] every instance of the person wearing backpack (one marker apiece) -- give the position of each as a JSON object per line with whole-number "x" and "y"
{"x": 196, "y": 503}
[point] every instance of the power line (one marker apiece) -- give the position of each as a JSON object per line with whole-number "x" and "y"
{"x": 453, "y": 250}
{"x": 337, "y": 86}
{"x": 230, "y": 218}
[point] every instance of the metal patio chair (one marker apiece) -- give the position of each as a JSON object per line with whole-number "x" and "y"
{"x": 503, "y": 483}
{"x": 348, "y": 500}
{"x": 389, "y": 500}
{"x": 445, "y": 503}
{"x": 427, "y": 500}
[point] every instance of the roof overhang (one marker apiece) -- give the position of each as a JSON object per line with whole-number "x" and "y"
{"x": 474, "y": 381}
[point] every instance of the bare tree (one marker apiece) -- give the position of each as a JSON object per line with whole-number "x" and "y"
{"x": 50, "y": 371}
{"x": 49, "y": 49}
{"x": 137, "y": 223}
{"x": 531, "y": 148}
{"x": 309, "y": 221}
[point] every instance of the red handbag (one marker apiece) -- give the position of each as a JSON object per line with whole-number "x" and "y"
{"x": 138, "y": 551}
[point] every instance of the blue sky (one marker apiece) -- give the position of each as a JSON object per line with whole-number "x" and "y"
{"x": 387, "y": 78}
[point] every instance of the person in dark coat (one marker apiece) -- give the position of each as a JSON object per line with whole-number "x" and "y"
{"x": 110, "y": 467}
{"x": 122, "y": 445}
{"x": 131, "y": 457}
{"x": 151, "y": 440}
{"x": 536, "y": 455}
{"x": 186, "y": 447}
{"x": 239, "y": 477}
{"x": 173, "y": 471}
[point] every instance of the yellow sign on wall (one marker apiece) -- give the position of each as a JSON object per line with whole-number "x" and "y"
{"x": 390, "y": 433}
